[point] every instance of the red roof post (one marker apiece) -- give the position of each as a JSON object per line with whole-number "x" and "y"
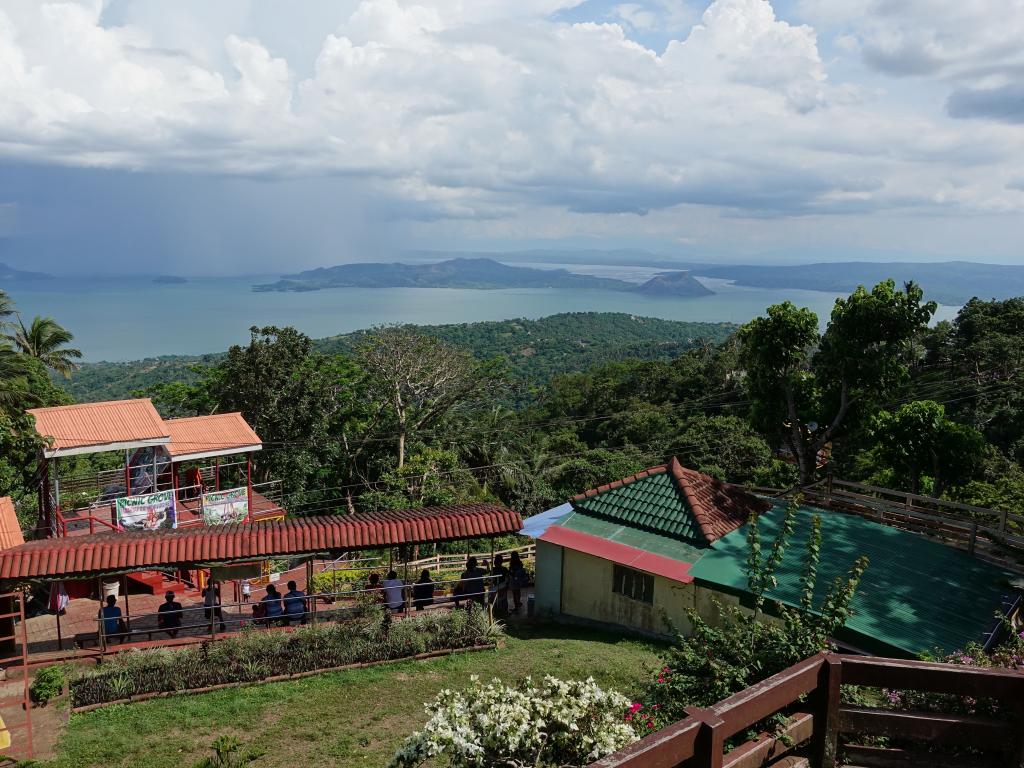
{"x": 248, "y": 484}
{"x": 127, "y": 473}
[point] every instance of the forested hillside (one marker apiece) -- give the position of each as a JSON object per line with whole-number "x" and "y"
{"x": 536, "y": 349}
{"x": 532, "y": 412}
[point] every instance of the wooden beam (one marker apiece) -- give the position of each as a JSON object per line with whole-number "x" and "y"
{"x": 933, "y": 727}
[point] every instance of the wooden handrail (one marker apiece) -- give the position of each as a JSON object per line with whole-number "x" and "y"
{"x": 697, "y": 740}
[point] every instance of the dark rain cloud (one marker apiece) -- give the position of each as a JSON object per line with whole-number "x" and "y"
{"x": 1005, "y": 104}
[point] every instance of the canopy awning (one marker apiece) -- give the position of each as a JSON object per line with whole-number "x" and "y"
{"x": 535, "y": 526}
{"x": 72, "y": 430}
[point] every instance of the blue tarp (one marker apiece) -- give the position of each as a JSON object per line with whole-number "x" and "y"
{"x": 535, "y": 526}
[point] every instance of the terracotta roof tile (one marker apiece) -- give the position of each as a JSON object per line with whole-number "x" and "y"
{"x": 10, "y": 528}
{"x": 83, "y": 556}
{"x": 117, "y": 423}
{"x": 199, "y": 436}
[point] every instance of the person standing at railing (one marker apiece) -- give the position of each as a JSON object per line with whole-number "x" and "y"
{"x": 518, "y": 578}
{"x": 471, "y": 582}
{"x": 113, "y": 624}
{"x": 211, "y": 604}
{"x": 498, "y": 597}
{"x": 423, "y": 591}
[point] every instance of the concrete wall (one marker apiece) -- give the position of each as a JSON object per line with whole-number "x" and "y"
{"x": 586, "y": 587}
{"x": 547, "y": 589}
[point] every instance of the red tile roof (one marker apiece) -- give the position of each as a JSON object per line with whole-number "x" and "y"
{"x": 631, "y": 557}
{"x": 719, "y": 508}
{"x": 89, "y": 427}
{"x": 201, "y": 436}
{"x": 82, "y": 556}
{"x": 10, "y": 528}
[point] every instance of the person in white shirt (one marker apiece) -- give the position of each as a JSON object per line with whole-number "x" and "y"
{"x": 394, "y": 591}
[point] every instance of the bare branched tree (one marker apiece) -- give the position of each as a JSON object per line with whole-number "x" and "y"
{"x": 421, "y": 379}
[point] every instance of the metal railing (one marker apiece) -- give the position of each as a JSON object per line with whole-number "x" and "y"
{"x": 214, "y": 622}
{"x": 817, "y": 719}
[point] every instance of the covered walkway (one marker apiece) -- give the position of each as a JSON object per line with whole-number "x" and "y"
{"x": 92, "y": 560}
{"x": 109, "y": 553}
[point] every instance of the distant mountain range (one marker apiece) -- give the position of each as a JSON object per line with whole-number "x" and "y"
{"x": 477, "y": 272}
{"x": 948, "y": 282}
{"x": 10, "y": 273}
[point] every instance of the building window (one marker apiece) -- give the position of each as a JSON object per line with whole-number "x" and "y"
{"x": 635, "y": 585}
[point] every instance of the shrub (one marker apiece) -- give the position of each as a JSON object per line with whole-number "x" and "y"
{"x": 716, "y": 661}
{"x": 257, "y": 654}
{"x": 560, "y": 723}
{"x": 48, "y": 683}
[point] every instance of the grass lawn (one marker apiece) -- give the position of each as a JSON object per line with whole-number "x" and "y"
{"x": 353, "y": 718}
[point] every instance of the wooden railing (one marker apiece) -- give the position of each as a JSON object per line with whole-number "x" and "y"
{"x": 450, "y": 561}
{"x": 809, "y": 694}
{"x": 996, "y": 535}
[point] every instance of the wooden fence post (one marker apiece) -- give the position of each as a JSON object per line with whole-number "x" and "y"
{"x": 825, "y": 739}
{"x": 709, "y": 749}
{"x": 973, "y": 539}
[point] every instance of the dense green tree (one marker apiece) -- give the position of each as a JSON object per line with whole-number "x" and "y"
{"x": 803, "y": 385}
{"x": 987, "y": 352}
{"x": 46, "y": 340}
{"x": 298, "y": 401}
{"x": 917, "y": 440}
{"x": 429, "y": 478}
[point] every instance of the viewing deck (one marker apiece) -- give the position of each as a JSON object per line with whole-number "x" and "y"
{"x": 102, "y": 517}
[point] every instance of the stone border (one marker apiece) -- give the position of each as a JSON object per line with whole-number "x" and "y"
{"x": 282, "y": 678}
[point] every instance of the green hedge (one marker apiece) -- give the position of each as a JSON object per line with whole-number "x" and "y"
{"x": 355, "y": 578}
{"x": 257, "y": 654}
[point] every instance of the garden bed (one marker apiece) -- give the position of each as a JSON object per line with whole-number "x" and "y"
{"x": 257, "y": 656}
{"x": 282, "y": 678}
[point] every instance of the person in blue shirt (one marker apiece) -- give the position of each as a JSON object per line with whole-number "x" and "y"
{"x": 113, "y": 624}
{"x": 294, "y": 604}
{"x": 272, "y": 605}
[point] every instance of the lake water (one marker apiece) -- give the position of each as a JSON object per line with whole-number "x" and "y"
{"x": 131, "y": 318}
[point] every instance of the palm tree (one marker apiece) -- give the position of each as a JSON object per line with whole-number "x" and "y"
{"x": 6, "y": 309}
{"x": 12, "y": 378}
{"x": 44, "y": 340}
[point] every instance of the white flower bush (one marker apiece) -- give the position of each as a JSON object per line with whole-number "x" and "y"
{"x": 560, "y": 723}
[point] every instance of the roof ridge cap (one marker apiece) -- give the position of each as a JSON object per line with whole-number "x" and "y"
{"x": 642, "y": 474}
{"x": 700, "y": 514}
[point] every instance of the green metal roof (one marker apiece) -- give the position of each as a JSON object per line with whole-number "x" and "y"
{"x": 632, "y": 537}
{"x": 653, "y": 503}
{"x": 916, "y": 596}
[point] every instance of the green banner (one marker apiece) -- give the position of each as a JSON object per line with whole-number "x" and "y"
{"x": 147, "y": 512}
{"x": 221, "y": 507}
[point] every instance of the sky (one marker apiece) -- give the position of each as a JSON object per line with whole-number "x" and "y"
{"x": 254, "y": 136}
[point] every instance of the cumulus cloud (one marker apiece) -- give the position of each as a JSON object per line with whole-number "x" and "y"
{"x": 944, "y": 37}
{"x": 473, "y": 109}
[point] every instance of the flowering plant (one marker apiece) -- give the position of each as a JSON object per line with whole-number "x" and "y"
{"x": 558, "y": 723}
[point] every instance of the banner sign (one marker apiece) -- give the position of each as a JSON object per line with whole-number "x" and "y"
{"x": 221, "y": 507}
{"x": 148, "y": 512}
